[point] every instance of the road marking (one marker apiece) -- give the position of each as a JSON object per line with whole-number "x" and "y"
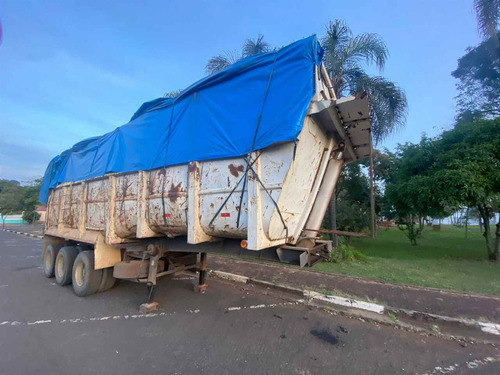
{"x": 472, "y": 365}
{"x": 490, "y": 328}
{"x": 92, "y": 319}
{"x": 264, "y": 306}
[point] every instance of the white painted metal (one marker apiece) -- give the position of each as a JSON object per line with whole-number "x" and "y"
{"x": 285, "y": 189}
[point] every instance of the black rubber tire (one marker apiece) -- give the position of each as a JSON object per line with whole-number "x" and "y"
{"x": 108, "y": 281}
{"x": 86, "y": 279}
{"x": 49, "y": 260}
{"x": 63, "y": 268}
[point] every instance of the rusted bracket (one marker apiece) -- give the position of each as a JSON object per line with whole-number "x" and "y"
{"x": 340, "y": 232}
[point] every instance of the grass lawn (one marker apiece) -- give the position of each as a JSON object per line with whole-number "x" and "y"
{"x": 444, "y": 259}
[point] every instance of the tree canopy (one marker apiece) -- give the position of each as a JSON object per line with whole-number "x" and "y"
{"x": 250, "y": 47}
{"x": 345, "y": 58}
{"x": 459, "y": 168}
{"x": 15, "y": 198}
{"x": 478, "y": 75}
{"x": 488, "y": 16}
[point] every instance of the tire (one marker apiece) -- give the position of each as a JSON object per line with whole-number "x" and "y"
{"x": 49, "y": 260}
{"x": 63, "y": 269}
{"x": 86, "y": 279}
{"x": 108, "y": 281}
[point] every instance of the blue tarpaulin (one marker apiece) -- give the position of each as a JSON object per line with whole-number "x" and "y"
{"x": 252, "y": 104}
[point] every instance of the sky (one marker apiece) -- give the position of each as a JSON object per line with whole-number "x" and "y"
{"x": 70, "y": 70}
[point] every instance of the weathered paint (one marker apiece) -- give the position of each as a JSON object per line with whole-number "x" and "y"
{"x": 265, "y": 198}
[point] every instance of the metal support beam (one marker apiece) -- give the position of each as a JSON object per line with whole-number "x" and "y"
{"x": 202, "y": 284}
{"x": 372, "y": 193}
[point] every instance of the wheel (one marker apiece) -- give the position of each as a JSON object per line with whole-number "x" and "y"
{"x": 86, "y": 279}
{"x": 64, "y": 265}
{"x": 49, "y": 259}
{"x": 108, "y": 280}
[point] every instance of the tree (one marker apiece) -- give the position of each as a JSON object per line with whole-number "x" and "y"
{"x": 250, "y": 48}
{"x": 461, "y": 167}
{"x": 11, "y": 197}
{"x": 345, "y": 56}
{"x": 31, "y": 194}
{"x": 172, "y": 94}
{"x": 353, "y": 192}
{"x": 31, "y": 216}
{"x": 488, "y": 16}
{"x": 409, "y": 191}
{"x": 15, "y": 198}
{"x": 478, "y": 75}
{"x": 467, "y": 172}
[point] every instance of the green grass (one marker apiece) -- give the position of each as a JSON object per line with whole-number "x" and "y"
{"x": 444, "y": 259}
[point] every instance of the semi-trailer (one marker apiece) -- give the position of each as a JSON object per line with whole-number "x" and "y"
{"x": 246, "y": 158}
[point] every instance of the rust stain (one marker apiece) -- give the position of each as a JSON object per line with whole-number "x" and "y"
{"x": 173, "y": 192}
{"x": 234, "y": 170}
{"x": 192, "y": 167}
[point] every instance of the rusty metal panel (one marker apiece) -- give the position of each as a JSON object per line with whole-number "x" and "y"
{"x": 298, "y": 194}
{"x": 74, "y": 206}
{"x": 166, "y": 200}
{"x": 126, "y": 201}
{"x": 275, "y": 163}
{"x": 71, "y": 206}
{"x": 217, "y": 179}
{"x": 97, "y": 203}
{"x": 53, "y": 209}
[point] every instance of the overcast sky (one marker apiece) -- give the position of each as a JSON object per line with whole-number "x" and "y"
{"x": 74, "y": 69}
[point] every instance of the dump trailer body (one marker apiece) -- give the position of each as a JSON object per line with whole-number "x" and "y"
{"x": 271, "y": 197}
{"x": 265, "y": 199}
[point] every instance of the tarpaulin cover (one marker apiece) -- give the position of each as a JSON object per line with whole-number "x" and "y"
{"x": 252, "y": 104}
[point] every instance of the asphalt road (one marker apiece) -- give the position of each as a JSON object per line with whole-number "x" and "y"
{"x": 46, "y": 329}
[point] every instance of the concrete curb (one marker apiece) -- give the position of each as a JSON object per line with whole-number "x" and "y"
{"x": 23, "y": 233}
{"x": 486, "y": 327}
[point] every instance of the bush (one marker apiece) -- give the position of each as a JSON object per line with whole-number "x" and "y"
{"x": 346, "y": 253}
{"x": 29, "y": 216}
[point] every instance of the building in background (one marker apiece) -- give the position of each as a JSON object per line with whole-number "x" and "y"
{"x": 42, "y": 211}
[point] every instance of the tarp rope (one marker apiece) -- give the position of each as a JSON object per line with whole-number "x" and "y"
{"x": 250, "y": 163}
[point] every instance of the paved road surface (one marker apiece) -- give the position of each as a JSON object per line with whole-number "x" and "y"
{"x": 46, "y": 329}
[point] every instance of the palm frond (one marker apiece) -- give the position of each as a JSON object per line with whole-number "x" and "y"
{"x": 368, "y": 47}
{"x": 488, "y": 16}
{"x": 222, "y": 61}
{"x": 337, "y": 34}
{"x": 254, "y": 47}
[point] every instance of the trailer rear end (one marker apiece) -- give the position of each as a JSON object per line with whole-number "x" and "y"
{"x": 143, "y": 224}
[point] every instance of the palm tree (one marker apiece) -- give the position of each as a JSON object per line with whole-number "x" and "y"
{"x": 250, "y": 48}
{"x": 488, "y": 16}
{"x": 345, "y": 55}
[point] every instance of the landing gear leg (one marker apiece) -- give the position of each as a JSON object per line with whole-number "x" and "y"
{"x": 151, "y": 305}
{"x": 202, "y": 284}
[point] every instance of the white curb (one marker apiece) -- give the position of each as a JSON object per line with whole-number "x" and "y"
{"x": 230, "y": 276}
{"x": 343, "y": 301}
